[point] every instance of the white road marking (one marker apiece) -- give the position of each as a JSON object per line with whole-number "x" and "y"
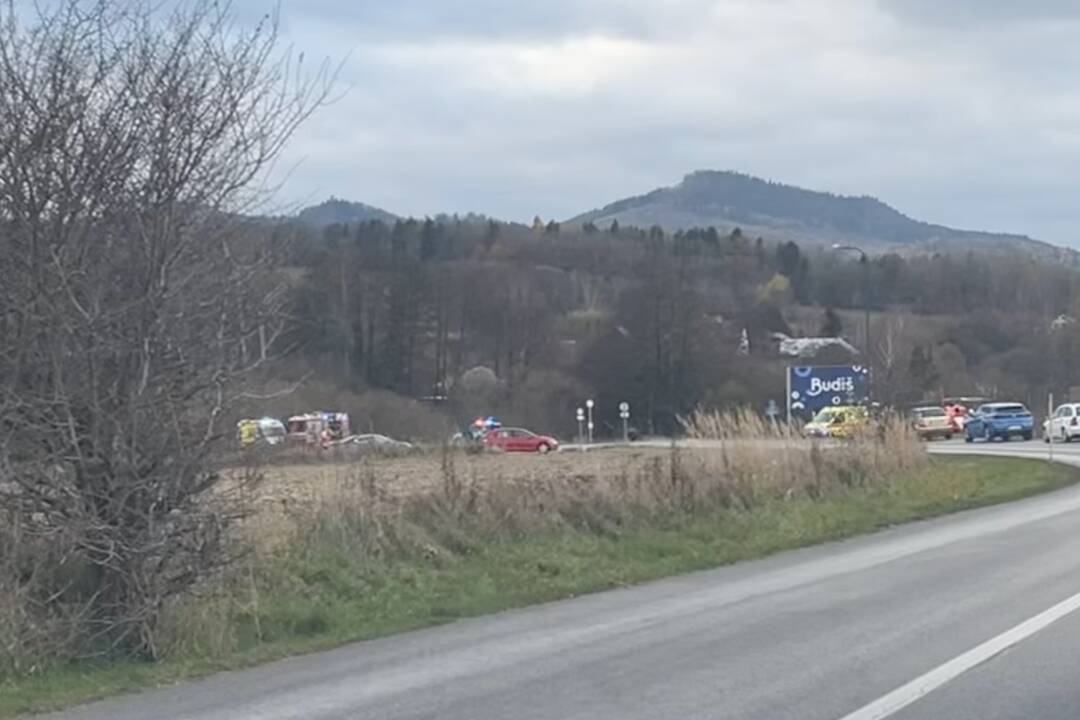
{"x": 921, "y": 686}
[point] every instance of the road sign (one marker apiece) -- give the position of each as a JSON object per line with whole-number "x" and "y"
{"x": 580, "y": 415}
{"x": 812, "y": 388}
{"x": 772, "y": 409}
{"x": 624, "y": 407}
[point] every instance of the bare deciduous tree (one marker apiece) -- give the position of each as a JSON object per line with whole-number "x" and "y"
{"x": 134, "y": 298}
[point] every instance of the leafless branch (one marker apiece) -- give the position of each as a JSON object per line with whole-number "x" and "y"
{"x": 133, "y": 138}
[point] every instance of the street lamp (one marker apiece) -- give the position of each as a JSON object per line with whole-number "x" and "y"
{"x": 589, "y": 404}
{"x": 865, "y": 262}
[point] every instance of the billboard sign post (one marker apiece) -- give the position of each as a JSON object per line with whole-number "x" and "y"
{"x": 809, "y": 389}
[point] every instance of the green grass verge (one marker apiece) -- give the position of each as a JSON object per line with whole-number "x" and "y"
{"x": 330, "y": 599}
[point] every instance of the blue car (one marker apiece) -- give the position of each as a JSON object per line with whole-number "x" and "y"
{"x": 999, "y": 420}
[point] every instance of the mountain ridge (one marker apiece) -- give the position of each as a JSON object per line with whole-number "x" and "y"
{"x": 728, "y": 199}
{"x": 779, "y": 212}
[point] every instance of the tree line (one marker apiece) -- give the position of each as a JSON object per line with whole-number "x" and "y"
{"x": 652, "y": 317}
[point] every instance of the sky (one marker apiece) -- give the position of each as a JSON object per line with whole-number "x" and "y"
{"x": 965, "y": 113}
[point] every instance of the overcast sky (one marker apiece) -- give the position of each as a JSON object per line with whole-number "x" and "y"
{"x": 965, "y": 112}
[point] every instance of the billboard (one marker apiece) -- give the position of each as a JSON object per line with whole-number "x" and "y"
{"x": 811, "y": 388}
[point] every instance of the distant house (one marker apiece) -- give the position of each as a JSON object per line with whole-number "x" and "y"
{"x": 809, "y": 347}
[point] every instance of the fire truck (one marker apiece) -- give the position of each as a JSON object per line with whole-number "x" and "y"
{"x": 318, "y": 429}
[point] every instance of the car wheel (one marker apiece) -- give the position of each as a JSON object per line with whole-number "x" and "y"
{"x": 543, "y": 448}
{"x": 1068, "y": 438}
{"x": 1027, "y": 435}
{"x": 968, "y": 438}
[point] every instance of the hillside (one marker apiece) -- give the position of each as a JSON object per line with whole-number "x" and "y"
{"x": 336, "y": 210}
{"x": 726, "y": 200}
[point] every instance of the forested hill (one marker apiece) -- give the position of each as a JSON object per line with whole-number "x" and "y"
{"x": 726, "y": 200}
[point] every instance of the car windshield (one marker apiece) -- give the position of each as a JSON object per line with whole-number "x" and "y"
{"x": 930, "y": 412}
{"x": 1005, "y": 409}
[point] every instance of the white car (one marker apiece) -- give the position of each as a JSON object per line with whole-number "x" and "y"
{"x": 376, "y": 443}
{"x": 1064, "y": 424}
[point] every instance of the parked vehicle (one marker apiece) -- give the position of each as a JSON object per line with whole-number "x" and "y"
{"x": 1064, "y": 424}
{"x": 376, "y": 443}
{"x": 318, "y": 428}
{"x": 931, "y": 422}
{"x": 838, "y": 421}
{"x": 959, "y": 408}
{"x": 250, "y": 432}
{"x": 519, "y": 440}
{"x": 999, "y": 420}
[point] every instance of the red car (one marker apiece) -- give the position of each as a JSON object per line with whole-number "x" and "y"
{"x": 519, "y": 440}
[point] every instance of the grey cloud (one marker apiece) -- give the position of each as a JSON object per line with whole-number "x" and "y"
{"x": 981, "y": 13}
{"x": 515, "y": 114}
{"x": 385, "y": 20}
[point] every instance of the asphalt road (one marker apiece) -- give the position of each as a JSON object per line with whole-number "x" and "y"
{"x": 969, "y": 616}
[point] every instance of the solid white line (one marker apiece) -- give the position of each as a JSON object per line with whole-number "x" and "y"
{"x": 904, "y": 695}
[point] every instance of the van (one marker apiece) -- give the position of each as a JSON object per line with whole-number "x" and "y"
{"x": 837, "y": 421}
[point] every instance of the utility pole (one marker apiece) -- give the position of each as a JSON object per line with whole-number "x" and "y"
{"x": 1050, "y": 425}
{"x": 864, "y": 260}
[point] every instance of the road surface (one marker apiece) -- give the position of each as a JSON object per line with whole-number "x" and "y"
{"x": 970, "y": 616}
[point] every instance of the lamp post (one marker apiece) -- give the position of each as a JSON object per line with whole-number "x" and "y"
{"x": 589, "y": 404}
{"x": 865, "y": 262}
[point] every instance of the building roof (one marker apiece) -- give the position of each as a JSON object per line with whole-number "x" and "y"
{"x": 810, "y": 347}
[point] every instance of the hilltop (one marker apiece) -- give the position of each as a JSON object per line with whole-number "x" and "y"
{"x": 336, "y": 210}
{"x": 726, "y": 200}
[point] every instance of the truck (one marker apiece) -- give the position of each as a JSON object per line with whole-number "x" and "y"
{"x": 318, "y": 429}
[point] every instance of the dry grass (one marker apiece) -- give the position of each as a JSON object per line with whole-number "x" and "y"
{"x": 328, "y": 534}
{"x": 732, "y": 460}
{"x": 292, "y": 494}
{"x": 356, "y": 521}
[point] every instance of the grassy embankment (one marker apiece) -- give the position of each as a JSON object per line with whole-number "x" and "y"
{"x": 358, "y": 564}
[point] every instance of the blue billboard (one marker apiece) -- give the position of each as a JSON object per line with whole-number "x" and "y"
{"x": 812, "y": 388}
